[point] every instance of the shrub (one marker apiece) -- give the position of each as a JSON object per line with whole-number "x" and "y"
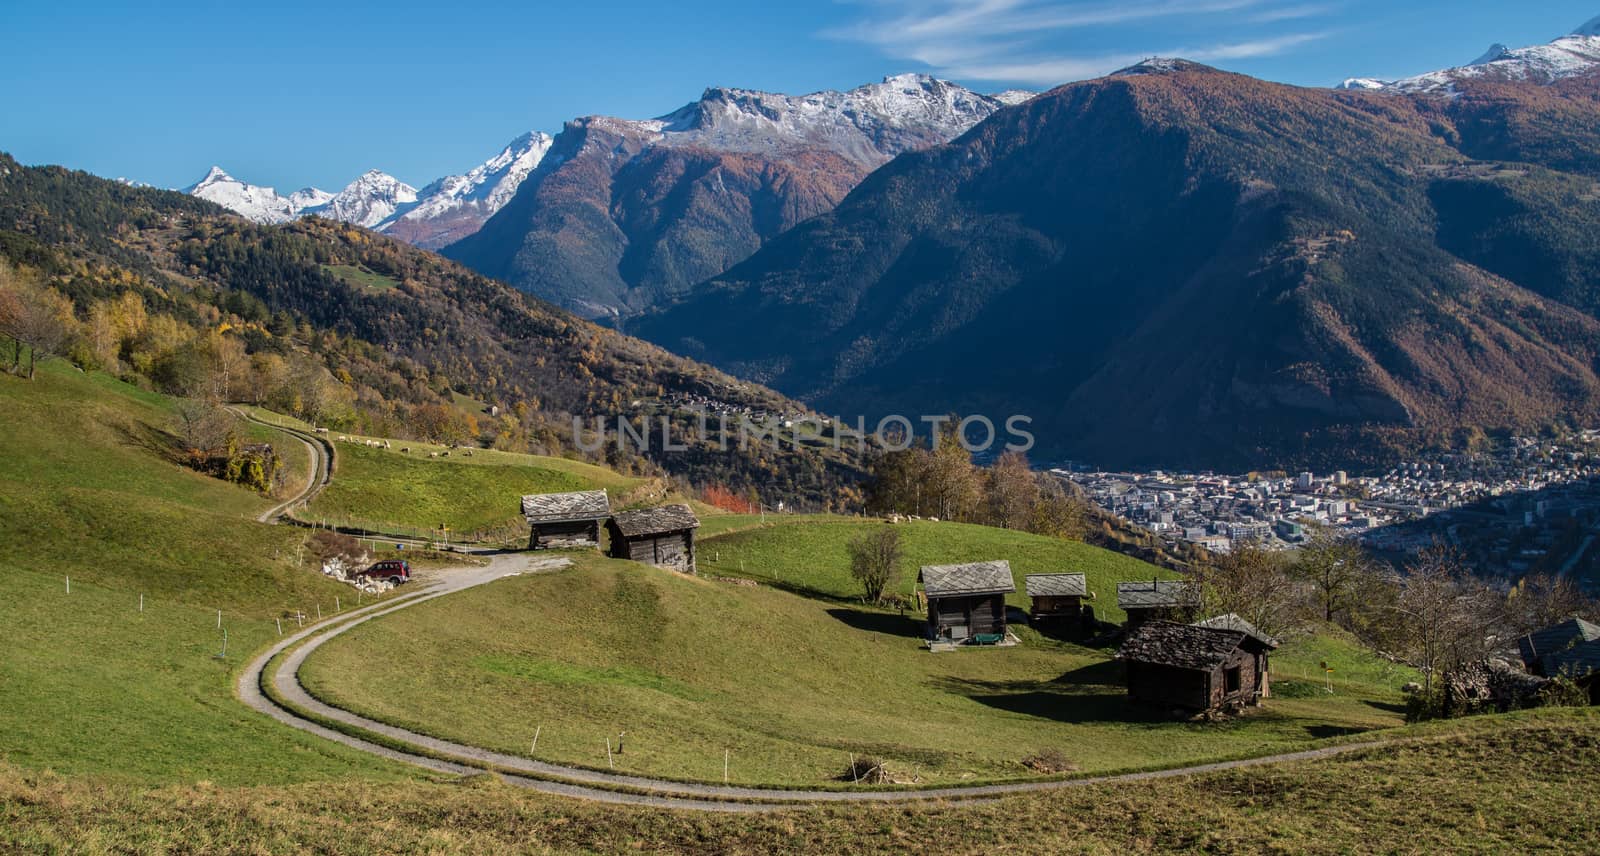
{"x": 1562, "y": 691}
{"x": 875, "y": 561}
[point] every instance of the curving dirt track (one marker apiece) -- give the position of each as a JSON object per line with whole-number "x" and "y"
{"x": 447, "y": 756}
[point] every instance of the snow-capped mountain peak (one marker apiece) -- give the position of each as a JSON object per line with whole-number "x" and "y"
{"x": 369, "y": 200}
{"x": 262, "y": 204}
{"x": 869, "y": 124}
{"x": 453, "y": 207}
{"x": 1568, "y": 56}
{"x": 446, "y": 210}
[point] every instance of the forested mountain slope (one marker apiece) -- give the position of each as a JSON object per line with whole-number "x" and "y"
{"x": 1177, "y": 265}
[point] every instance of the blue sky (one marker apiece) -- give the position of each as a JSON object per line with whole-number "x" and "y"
{"x": 292, "y": 93}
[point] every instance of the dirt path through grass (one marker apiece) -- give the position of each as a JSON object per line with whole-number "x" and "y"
{"x": 321, "y": 467}
{"x": 451, "y": 757}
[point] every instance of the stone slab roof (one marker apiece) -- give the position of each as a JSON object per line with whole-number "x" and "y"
{"x": 972, "y": 578}
{"x": 1554, "y": 639}
{"x": 1182, "y": 646}
{"x": 1056, "y": 585}
{"x": 655, "y": 521}
{"x": 1153, "y": 594}
{"x": 1232, "y": 621}
{"x": 560, "y": 507}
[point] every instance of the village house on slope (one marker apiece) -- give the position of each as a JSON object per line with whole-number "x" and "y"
{"x": 1197, "y": 668}
{"x": 1057, "y": 603}
{"x": 1169, "y": 600}
{"x": 967, "y": 603}
{"x": 565, "y": 519}
{"x": 656, "y": 536}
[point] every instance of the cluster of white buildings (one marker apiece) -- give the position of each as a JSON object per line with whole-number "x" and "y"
{"x": 1218, "y": 511}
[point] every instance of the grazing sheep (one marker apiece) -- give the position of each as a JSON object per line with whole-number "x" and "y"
{"x": 405, "y": 450}
{"x": 433, "y": 454}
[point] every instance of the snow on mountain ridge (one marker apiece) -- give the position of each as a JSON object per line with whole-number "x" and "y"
{"x": 491, "y": 184}
{"x": 369, "y": 200}
{"x": 380, "y": 201}
{"x": 869, "y": 124}
{"x": 1567, "y": 56}
{"x": 261, "y": 204}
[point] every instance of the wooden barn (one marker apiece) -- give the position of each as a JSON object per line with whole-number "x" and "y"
{"x": 1168, "y": 600}
{"x": 1196, "y": 668}
{"x": 656, "y": 536}
{"x": 565, "y": 519}
{"x": 1058, "y": 603}
{"x": 967, "y": 603}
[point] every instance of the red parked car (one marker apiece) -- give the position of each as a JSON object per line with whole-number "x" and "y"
{"x": 394, "y": 570}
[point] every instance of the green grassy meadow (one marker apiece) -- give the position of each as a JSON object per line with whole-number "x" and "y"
{"x": 809, "y": 555}
{"x": 119, "y": 731}
{"x": 790, "y": 685}
{"x": 1524, "y": 785}
{"x": 89, "y": 683}
{"x": 385, "y": 487}
{"x": 362, "y": 278}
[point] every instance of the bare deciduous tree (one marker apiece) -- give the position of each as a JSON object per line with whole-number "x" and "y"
{"x": 875, "y": 561}
{"x": 34, "y": 317}
{"x": 1012, "y": 489}
{"x": 202, "y": 426}
{"x": 1251, "y": 582}
{"x": 1337, "y": 570}
{"x": 1443, "y": 614}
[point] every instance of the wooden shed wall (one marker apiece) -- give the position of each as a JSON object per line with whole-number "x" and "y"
{"x": 676, "y": 548}
{"x": 543, "y": 534}
{"x": 978, "y": 613}
{"x": 1056, "y": 604}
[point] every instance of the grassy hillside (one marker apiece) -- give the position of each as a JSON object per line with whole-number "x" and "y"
{"x": 378, "y": 488}
{"x": 810, "y": 555}
{"x": 90, "y": 683}
{"x": 1526, "y": 785}
{"x": 790, "y": 685}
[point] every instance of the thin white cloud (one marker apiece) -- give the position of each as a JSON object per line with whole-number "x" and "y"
{"x": 999, "y": 40}
{"x": 1293, "y": 13}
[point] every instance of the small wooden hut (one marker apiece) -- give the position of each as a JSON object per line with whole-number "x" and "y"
{"x": 565, "y": 519}
{"x": 1168, "y": 600}
{"x": 967, "y": 603}
{"x": 1195, "y": 668}
{"x": 656, "y": 536}
{"x": 1570, "y": 649}
{"x": 1058, "y": 603}
{"x": 1541, "y": 648}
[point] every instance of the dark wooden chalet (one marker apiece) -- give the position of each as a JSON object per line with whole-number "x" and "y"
{"x": 656, "y": 536}
{"x": 1195, "y": 668}
{"x": 1570, "y": 649}
{"x": 967, "y": 602}
{"x": 565, "y": 519}
{"x": 1058, "y": 603}
{"x": 1168, "y": 600}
